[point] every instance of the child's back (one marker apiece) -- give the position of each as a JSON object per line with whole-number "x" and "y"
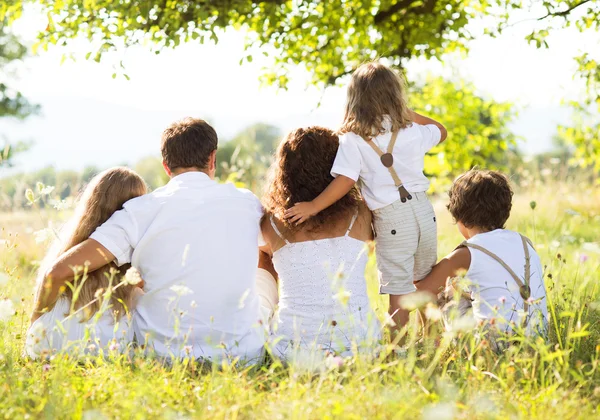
{"x": 357, "y": 159}
{"x": 495, "y": 293}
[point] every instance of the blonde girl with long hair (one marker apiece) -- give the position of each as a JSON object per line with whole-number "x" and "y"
{"x": 93, "y": 306}
{"x": 383, "y": 144}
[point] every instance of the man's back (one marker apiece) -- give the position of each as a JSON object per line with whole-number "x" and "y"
{"x": 194, "y": 242}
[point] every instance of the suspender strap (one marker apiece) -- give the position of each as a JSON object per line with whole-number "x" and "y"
{"x": 524, "y": 288}
{"x": 352, "y": 223}
{"x": 277, "y": 230}
{"x": 388, "y": 161}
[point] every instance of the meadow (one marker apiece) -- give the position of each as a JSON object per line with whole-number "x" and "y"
{"x": 456, "y": 376}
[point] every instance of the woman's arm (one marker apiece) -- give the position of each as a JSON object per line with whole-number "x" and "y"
{"x": 338, "y": 188}
{"x": 450, "y": 266}
{"x": 89, "y": 253}
{"x": 423, "y": 120}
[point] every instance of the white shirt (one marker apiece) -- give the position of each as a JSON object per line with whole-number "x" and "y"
{"x": 356, "y": 160}
{"x": 494, "y": 292}
{"x": 54, "y": 331}
{"x": 195, "y": 243}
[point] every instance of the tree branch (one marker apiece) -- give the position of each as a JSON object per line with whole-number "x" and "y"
{"x": 395, "y": 8}
{"x": 565, "y": 12}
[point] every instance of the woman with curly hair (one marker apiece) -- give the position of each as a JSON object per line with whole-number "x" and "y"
{"x": 323, "y": 302}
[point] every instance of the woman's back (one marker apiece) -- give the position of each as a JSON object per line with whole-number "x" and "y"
{"x": 323, "y": 299}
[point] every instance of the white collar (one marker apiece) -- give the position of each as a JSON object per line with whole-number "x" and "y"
{"x": 190, "y": 177}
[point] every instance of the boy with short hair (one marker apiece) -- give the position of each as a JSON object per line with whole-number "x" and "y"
{"x": 506, "y": 281}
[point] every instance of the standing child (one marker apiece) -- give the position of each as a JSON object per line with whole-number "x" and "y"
{"x": 383, "y": 144}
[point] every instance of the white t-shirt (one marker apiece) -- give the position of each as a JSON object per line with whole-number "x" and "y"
{"x": 494, "y": 292}
{"x": 195, "y": 243}
{"x": 356, "y": 160}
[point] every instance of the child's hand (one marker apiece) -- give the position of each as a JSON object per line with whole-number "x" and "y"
{"x": 301, "y": 212}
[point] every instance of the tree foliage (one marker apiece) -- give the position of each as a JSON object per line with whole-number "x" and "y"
{"x": 246, "y": 157}
{"x": 329, "y": 38}
{"x": 12, "y": 103}
{"x": 478, "y": 128}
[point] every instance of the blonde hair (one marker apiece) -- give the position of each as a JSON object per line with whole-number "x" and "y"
{"x": 104, "y": 195}
{"x": 375, "y": 91}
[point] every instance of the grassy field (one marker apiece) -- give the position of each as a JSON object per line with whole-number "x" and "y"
{"x": 460, "y": 378}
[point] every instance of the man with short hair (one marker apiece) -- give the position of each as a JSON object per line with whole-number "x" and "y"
{"x": 195, "y": 243}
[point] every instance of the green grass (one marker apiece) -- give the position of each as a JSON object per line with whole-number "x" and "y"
{"x": 463, "y": 379}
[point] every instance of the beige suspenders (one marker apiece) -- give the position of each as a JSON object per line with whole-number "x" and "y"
{"x": 524, "y": 288}
{"x": 387, "y": 159}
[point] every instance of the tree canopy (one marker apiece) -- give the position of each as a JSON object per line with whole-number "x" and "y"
{"x": 12, "y": 103}
{"x": 330, "y": 38}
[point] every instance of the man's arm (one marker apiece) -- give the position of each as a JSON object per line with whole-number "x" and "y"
{"x": 89, "y": 253}
{"x": 450, "y": 266}
{"x": 423, "y": 120}
{"x": 338, "y": 188}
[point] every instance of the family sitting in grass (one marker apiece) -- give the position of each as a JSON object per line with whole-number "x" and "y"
{"x": 205, "y": 270}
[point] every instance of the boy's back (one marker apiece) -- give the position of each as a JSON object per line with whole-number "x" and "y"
{"x": 495, "y": 292}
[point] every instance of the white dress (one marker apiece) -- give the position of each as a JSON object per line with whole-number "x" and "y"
{"x": 55, "y": 332}
{"x": 323, "y": 302}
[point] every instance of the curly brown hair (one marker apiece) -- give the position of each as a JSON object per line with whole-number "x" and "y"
{"x": 301, "y": 171}
{"x": 481, "y": 198}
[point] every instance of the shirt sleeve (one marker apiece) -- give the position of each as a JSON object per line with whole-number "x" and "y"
{"x": 118, "y": 234}
{"x": 348, "y": 160}
{"x": 260, "y": 212}
{"x": 430, "y": 135}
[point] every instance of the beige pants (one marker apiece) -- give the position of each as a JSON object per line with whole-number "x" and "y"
{"x": 406, "y": 243}
{"x": 266, "y": 286}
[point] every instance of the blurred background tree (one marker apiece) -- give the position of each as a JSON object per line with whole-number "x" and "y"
{"x": 12, "y": 103}
{"x": 478, "y": 128}
{"x": 246, "y": 157}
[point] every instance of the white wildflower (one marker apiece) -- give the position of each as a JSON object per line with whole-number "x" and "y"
{"x": 463, "y": 324}
{"x": 3, "y": 278}
{"x": 502, "y": 299}
{"x": 416, "y": 300}
{"x": 591, "y": 247}
{"x": 114, "y": 346}
{"x": 47, "y": 190}
{"x": 60, "y": 205}
{"x": 43, "y": 235}
{"x": 334, "y": 362}
{"x": 7, "y": 309}
{"x": 193, "y": 304}
{"x": 433, "y": 313}
{"x": 389, "y": 321}
{"x": 132, "y": 276}
{"x": 440, "y": 411}
{"x": 343, "y": 296}
{"x": 181, "y": 290}
{"x": 188, "y": 349}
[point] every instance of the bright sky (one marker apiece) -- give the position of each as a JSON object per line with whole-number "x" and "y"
{"x": 89, "y": 118}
